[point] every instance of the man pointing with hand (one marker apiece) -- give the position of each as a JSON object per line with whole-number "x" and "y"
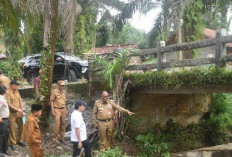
{"x": 103, "y": 118}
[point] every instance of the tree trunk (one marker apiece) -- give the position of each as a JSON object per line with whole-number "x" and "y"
{"x": 47, "y": 21}
{"x": 119, "y": 92}
{"x": 47, "y": 61}
{"x": 75, "y": 10}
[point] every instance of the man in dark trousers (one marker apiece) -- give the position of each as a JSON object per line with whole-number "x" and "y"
{"x": 78, "y": 130}
{"x": 4, "y": 123}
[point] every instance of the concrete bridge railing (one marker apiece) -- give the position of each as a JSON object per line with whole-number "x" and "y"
{"x": 220, "y": 54}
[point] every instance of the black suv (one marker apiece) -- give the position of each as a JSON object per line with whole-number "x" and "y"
{"x": 66, "y": 66}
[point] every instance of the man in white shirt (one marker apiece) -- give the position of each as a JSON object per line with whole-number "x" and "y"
{"x": 78, "y": 132}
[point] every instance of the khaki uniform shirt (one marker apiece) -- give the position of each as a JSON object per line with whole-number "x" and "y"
{"x": 59, "y": 98}
{"x": 32, "y": 130}
{"x": 5, "y": 81}
{"x": 4, "y": 109}
{"x": 105, "y": 111}
{"x": 14, "y": 99}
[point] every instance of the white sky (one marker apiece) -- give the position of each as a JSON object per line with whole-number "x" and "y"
{"x": 144, "y": 22}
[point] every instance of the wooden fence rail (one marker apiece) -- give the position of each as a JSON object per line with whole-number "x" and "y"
{"x": 219, "y": 43}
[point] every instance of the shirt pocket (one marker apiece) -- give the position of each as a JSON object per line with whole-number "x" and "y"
{"x": 100, "y": 109}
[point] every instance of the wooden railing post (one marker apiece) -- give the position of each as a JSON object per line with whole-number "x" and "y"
{"x": 160, "y": 56}
{"x": 220, "y": 47}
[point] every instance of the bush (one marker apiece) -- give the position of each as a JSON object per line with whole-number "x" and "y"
{"x": 150, "y": 146}
{"x": 195, "y": 77}
{"x": 180, "y": 138}
{"x": 11, "y": 69}
{"x": 217, "y": 123}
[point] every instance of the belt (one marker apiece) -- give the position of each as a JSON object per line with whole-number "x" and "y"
{"x": 4, "y": 118}
{"x": 59, "y": 107}
{"x": 105, "y": 120}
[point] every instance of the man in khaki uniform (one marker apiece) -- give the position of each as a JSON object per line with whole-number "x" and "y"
{"x": 33, "y": 134}
{"x": 5, "y": 81}
{"x": 16, "y": 112}
{"x": 103, "y": 116}
{"x": 58, "y": 106}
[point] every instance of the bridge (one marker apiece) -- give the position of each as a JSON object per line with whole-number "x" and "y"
{"x": 219, "y": 60}
{"x": 220, "y": 56}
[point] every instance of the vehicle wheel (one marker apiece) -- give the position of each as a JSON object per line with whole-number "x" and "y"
{"x": 31, "y": 76}
{"x": 72, "y": 77}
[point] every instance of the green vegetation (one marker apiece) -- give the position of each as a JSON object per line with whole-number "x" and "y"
{"x": 150, "y": 145}
{"x": 112, "y": 153}
{"x": 195, "y": 77}
{"x": 217, "y": 123}
{"x": 193, "y": 25}
{"x": 11, "y": 69}
{"x": 84, "y": 38}
{"x": 128, "y": 35}
{"x": 112, "y": 69}
{"x": 102, "y": 34}
{"x": 214, "y": 129}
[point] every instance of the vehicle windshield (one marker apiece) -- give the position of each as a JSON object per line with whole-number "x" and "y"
{"x": 71, "y": 57}
{"x": 33, "y": 59}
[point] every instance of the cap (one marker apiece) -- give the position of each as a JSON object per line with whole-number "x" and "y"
{"x": 61, "y": 82}
{"x": 14, "y": 82}
{"x": 36, "y": 107}
{"x": 79, "y": 103}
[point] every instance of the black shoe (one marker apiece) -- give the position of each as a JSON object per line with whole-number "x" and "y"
{"x": 1, "y": 155}
{"x": 7, "y": 153}
{"x": 21, "y": 144}
{"x": 13, "y": 148}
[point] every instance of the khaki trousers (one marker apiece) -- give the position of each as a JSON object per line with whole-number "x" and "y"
{"x": 16, "y": 117}
{"x": 105, "y": 134}
{"x": 35, "y": 150}
{"x": 59, "y": 126}
{"x": 112, "y": 141}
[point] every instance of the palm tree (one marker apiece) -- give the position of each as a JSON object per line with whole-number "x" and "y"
{"x": 9, "y": 20}
{"x": 218, "y": 10}
{"x": 169, "y": 19}
{"x": 47, "y": 60}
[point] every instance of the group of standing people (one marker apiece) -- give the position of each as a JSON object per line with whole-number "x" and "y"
{"x": 12, "y": 112}
{"x": 104, "y": 121}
